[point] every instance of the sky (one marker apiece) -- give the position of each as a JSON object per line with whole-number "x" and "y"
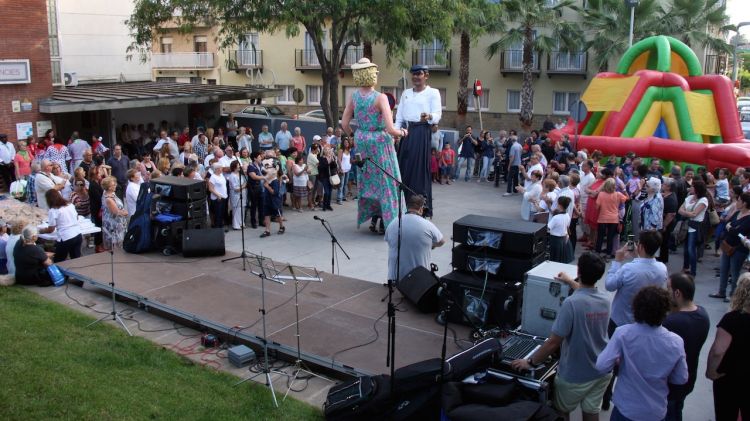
{"x": 739, "y": 11}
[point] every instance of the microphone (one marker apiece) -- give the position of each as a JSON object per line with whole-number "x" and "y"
{"x": 358, "y": 161}
{"x": 317, "y": 218}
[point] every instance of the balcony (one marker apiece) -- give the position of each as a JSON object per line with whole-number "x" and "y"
{"x": 715, "y": 64}
{"x": 190, "y": 61}
{"x": 511, "y": 62}
{"x": 438, "y": 60}
{"x": 246, "y": 59}
{"x": 561, "y": 63}
{"x": 308, "y": 60}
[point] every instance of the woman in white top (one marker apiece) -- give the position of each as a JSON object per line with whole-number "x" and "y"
{"x": 237, "y": 182}
{"x": 530, "y": 195}
{"x": 63, "y": 219}
{"x": 312, "y": 166}
{"x": 694, "y": 209}
{"x": 345, "y": 166}
{"x": 558, "y": 225}
{"x": 61, "y": 177}
{"x": 299, "y": 183}
{"x": 217, "y": 185}
{"x": 131, "y": 192}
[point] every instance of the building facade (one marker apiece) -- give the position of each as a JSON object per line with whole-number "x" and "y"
{"x": 25, "y": 68}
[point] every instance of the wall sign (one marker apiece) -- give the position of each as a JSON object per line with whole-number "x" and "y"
{"x": 24, "y": 130}
{"x": 15, "y": 71}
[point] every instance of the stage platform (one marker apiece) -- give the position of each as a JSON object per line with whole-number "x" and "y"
{"x": 343, "y": 326}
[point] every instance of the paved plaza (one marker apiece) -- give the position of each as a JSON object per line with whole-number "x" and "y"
{"x": 306, "y": 243}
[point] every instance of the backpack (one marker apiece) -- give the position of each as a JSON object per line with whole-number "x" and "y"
{"x": 138, "y": 236}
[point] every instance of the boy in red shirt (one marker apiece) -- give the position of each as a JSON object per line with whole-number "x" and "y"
{"x": 447, "y": 157}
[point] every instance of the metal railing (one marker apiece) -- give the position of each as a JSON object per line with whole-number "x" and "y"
{"x": 352, "y": 56}
{"x": 562, "y": 62}
{"x": 307, "y": 59}
{"x": 247, "y": 59}
{"x": 715, "y": 64}
{"x": 512, "y": 61}
{"x": 436, "y": 59}
{"x": 182, "y": 60}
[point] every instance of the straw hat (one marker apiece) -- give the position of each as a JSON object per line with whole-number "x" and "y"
{"x": 363, "y": 63}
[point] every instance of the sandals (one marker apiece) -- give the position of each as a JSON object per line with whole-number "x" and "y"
{"x": 282, "y": 230}
{"x": 265, "y": 234}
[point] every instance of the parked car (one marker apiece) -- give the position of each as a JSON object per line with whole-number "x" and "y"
{"x": 261, "y": 111}
{"x": 314, "y": 115}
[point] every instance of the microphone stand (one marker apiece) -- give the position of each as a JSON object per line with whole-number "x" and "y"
{"x": 334, "y": 243}
{"x": 390, "y": 358}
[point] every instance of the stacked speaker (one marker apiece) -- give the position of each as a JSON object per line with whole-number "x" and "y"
{"x": 490, "y": 257}
{"x": 185, "y": 198}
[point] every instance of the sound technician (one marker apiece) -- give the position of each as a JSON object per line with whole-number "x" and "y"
{"x": 418, "y": 237}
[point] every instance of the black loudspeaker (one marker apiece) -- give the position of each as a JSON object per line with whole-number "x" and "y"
{"x": 484, "y": 303}
{"x": 168, "y": 234}
{"x": 198, "y": 224}
{"x": 420, "y": 287}
{"x": 203, "y": 242}
{"x": 500, "y": 266}
{"x": 179, "y": 188}
{"x": 505, "y": 235}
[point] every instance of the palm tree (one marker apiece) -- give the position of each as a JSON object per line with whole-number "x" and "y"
{"x": 696, "y": 23}
{"x": 471, "y": 21}
{"x": 531, "y": 15}
{"x": 608, "y": 27}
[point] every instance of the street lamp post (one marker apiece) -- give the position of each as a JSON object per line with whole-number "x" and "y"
{"x": 632, "y": 5}
{"x": 734, "y": 50}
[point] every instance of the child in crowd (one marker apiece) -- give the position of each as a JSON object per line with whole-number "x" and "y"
{"x": 435, "y": 166}
{"x": 447, "y": 157}
{"x": 722, "y": 188}
{"x": 559, "y": 225}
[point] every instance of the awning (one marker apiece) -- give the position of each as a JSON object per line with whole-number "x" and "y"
{"x": 109, "y": 96}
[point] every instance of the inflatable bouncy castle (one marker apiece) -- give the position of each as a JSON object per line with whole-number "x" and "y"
{"x": 659, "y": 104}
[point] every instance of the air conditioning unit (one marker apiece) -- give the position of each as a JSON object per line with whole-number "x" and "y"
{"x": 71, "y": 79}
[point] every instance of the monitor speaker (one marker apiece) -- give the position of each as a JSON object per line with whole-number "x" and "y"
{"x": 420, "y": 287}
{"x": 203, "y": 242}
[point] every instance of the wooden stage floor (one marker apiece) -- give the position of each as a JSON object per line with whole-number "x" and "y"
{"x": 342, "y": 320}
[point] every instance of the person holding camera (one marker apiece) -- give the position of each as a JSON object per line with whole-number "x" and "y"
{"x": 467, "y": 144}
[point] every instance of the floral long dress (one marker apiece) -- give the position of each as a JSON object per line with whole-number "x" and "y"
{"x": 378, "y": 194}
{"x": 113, "y": 226}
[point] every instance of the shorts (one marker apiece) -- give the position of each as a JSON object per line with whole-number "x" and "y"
{"x": 445, "y": 170}
{"x": 568, "y": 396}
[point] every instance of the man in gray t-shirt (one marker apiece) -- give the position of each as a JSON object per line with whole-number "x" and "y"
{"x": 418, "y": 237}
{"x": 580, "y": 330}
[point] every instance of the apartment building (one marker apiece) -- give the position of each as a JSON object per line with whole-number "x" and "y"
{"x": 273, "y": 59}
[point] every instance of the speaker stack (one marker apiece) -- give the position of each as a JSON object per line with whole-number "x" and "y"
{"x": 186, "y": 198}
{"x": 490, "y": 257}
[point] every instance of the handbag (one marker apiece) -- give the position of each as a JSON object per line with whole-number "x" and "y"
{"x": 727, "y": 249}
{"x": 335, "y": 180}
{"x": 714, "y": 217}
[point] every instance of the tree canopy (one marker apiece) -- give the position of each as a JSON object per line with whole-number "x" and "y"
{"x": 333, "y": 26}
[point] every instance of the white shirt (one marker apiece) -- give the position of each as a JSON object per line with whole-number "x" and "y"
{"x": 245, "y": 141}
{"x": 533, "y": 192}
{"x": 226, "y": 161}
{"x": 174, "y": 148}
{"x": 7, "y": 152}
{"x": 558, "y": 225}
{"x": 567, "y": 192}
{"x": 42, "y": 183}
{"x": 207, "y": 161}
{"x": 586, "y": 181}
{"x": 9, "y": 246}
{"x": 536, "y": 167}
{"x": 220, "y": 186}
{"x": 131, "y": 197}
{"x": 413, "y": 104}
{"x": 300, "y": 180}
{"x": 65, "y": 221}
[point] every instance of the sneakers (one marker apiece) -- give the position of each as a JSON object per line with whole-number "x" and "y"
{"x": 507, "y": 194}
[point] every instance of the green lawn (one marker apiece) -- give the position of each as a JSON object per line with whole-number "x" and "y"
{"x": 52, "y": 366}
